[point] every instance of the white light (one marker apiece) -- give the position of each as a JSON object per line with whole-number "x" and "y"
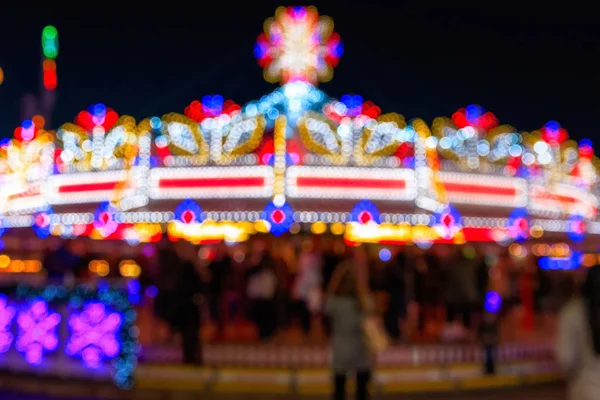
{"x": 87, "y": 146}
{"x": 343, "y": 130}
{"x": 515, "y": 150}
{"x": 540, "y": 147}
{"x": 279, "y": 200}
{"x": 431, "y": 142}
{"x": 295, "y": 105}
{"x": 528, "y": 158}
{"x": 66, "y": 156}
{"x": 483, "y": 148}
{"x": 468, "y": 132}
{"x": 544, "y": 158}
{"x": 445, "y": 143}
{"x": 340, "y": 108}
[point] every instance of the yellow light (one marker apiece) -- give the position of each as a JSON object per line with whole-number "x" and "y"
{"x": 262, "y": 226}
{"x": 17, "y": 266}
{"x": 135, "y": 271}
{"x": 57, "y": 230}
{"x": 103, "y": 268}
{"x": 318, "y": 228}
{"x": 536, "y": 231}
{"x": 560, "y": 250}
{"x": 33, "y": 266}
{"x": 589, "y": 260}
{"x": 4, "y": 261}
{"x": 337, "y": 228}
{"x": 130, "y": 269}
{"x": 515, "y": 250}
{"x": 93, "y": 266}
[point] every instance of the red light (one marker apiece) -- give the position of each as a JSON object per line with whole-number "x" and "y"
{"x": 50, "y": 79}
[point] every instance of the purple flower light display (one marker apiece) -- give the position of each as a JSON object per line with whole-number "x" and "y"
{"x": 37, "y": 331}
{"x": 7, "y": 313}
{"x": 94, "y": 334}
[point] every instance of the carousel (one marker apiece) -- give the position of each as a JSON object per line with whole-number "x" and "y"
{"x": 295, "y": 160}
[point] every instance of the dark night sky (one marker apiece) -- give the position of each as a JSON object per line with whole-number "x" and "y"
{"x": 526, "y": 65}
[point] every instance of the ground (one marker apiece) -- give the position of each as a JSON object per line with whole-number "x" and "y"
{"x": 546, "y": 392}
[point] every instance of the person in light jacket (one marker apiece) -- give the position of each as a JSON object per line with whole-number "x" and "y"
{"x": 578, "y": 340}
{"x": 346, "y": 305}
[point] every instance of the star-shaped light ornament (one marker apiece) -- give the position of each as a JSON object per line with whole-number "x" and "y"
{"x": 94, "y": 334}
{"x": 298, "y": 45}
{"x": 447, "y": 222}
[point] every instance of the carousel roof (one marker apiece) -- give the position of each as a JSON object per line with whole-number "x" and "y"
{"x": 295, "y": 156}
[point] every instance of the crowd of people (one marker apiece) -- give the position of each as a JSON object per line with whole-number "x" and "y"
{"x": 282, "y": 285}
{"x": 318, "y": 282}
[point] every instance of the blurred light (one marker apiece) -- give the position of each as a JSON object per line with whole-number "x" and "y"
{"x": 298, "y": 45}
{"x": 1, "y": 75}
{"x": 99, "y": 267}
{"x": 50, "y": 78}
{"x": 516, "y": 250}
{"x": 337, "y": 228}
{"x": 129, "y": 269}
{"x": 50, "y": 42}
{"x": 295, "y": 228}
{"x": 151, "y": 291}
{"x": 385, "y": 255}
{"x": 493, "y": 302}
{"x": 536, "y": 231}
{"x": 589, "y": 260}
{"x": 318, "y": 228}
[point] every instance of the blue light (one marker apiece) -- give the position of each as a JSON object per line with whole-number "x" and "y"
{"x": 493, "y": 302}
{"x": 552, "y": 126}
{"x": 41, "y": 223}
{"x": 151, "y": 291}
{"x": 338, "y": 50}
{"x": 561, "y": 263}
{"x": 473, "y": 112}
{"x": 188, "y": 211}
{"x": 27, "y": 124}
{"x": 98, "y": 110}
{"x": 385, "y": 255}
{"x": 133, "y": 286}
{"x": 364, "y": 212}
{"x": 280, "y": 218}
{"x": 155, "y": 123}
{"x": 518, "y": 224}
{"x": 353, "y": 103}
{"x": 273, "y": 113}
{"x": 212, "y": 105}
{"x": 576, "y": 228}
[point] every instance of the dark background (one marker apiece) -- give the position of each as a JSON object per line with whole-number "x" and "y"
{"x": 526, "y": 64}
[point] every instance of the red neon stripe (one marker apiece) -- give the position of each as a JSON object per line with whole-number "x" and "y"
{"x": 479, "y": 189}
{"x": 556, "y": 197}
{"x": 326, "y": 182}
{"x": 88, "y": 187}
{"x": 211, "y": 182}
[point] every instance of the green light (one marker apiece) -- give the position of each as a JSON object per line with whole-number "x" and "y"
{"x": 50, "y": 42}
{"x": 49, "y": 33}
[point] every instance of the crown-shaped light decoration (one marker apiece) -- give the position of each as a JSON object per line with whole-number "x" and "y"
{"x": 476, "y": 117}
{"x": 298, "y": 45}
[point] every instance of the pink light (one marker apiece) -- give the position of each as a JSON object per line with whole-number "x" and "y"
{"x": 7, "y": 314}
{"x": 37, "y": 332}
{"x": 94, "y": 335}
